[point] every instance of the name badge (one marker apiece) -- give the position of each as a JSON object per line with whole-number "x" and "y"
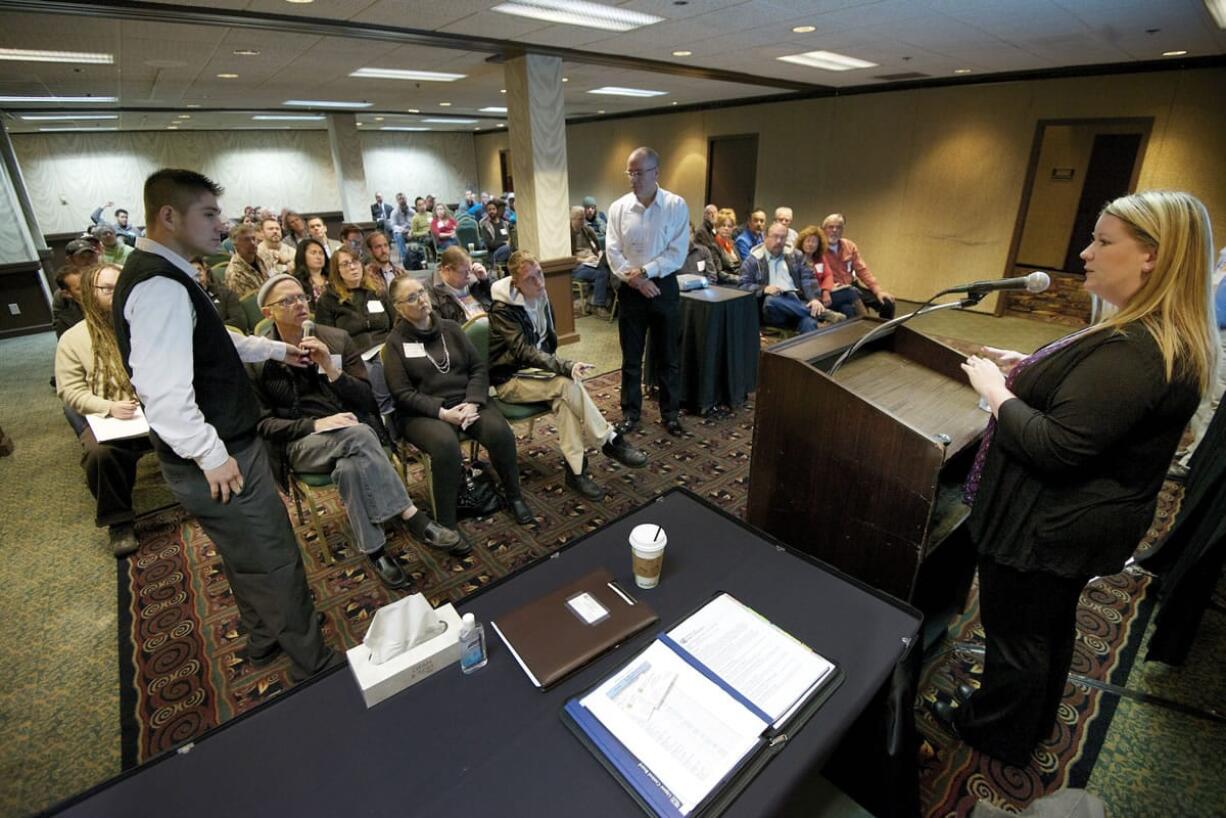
{"x": 414, "y": 351}
{"x": 502, "y": 231}
{"x": 374, "y": 306}
{"x": 702, "y": 264}
{"x": 820, "y": 267}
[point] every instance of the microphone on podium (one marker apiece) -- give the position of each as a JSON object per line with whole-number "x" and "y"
{"x": 1036, "y": 282}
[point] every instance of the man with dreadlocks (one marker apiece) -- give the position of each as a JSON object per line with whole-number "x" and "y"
{"x": 91, "y": 380}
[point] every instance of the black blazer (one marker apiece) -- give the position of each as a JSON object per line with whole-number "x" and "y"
{"x": 354, "y": 316}
{"x": 1071, "y": 479}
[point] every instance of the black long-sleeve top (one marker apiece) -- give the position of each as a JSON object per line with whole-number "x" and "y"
{"x": 354, "y": 315}
{"x": 1071, "y": 479}
{"x": 417, "y": 384}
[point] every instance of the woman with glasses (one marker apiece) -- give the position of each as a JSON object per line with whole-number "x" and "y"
{"x": 441, "y": 386}
{"x": 311, "y": 269}
{"x": 353, "y": 301}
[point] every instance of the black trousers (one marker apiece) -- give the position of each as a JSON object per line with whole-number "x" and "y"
{"x": 1029, "y": 621}
{"x": 883, "y": 308}
{"x": 110, "y": 471}
{"x": 661, "y": 316}
{"x": 258, "y": 547}
{"x": 441, "y": 440}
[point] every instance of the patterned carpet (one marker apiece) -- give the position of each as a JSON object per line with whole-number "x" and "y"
{"x": 181, "y": 669}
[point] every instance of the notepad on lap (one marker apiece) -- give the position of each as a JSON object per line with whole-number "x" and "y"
{"x": 107, "y": 428}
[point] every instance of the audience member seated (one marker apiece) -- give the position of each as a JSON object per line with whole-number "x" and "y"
{"x": 246, "y": 272}
{"x": 524, "y": 368}
{"x": 319, "y": 231}
{"x": 595, "y": 219}
{"x": 705, "y": 234}
{"x": 399, "y": 223}
{"x": 322, "y": 419}
{"x": 698, "y": 260}
{"x": 353, "y": 238}
{"x": 592, "y": 267}
{"x": 381, "y": 267}
{"x": 66, "y": 304}
{"x": 127, "y": 232}
{"x": 727, "y": 259}
{"x": 750, "y": 236}
{"x": 419, "y": 227}
{"x": 442, "y": 228}
{"x": 461, "y": 288}
{"x": 441, "y": 386}
{"x": 276, "y": 255}
{"x": 227, "y": 304}
{"x": 294, "y": 228}
{"x": 311, "y": 270}
{"x": 784, "y": 283}
{"x": 114, "y": 251}
{"x": 353, "y": 301}
{"x": 471, "y": 207}
{"x": 82, "y": 253}
{"x": 843, "y": 259}
{"x": 496, "y": 231}
{"x": 91, "y": 380}
{"x": 812, "y": 249}
{"x": 783, "y": 216}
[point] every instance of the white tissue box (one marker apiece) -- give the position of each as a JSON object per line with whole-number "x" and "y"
{"x": 378, "y": 682}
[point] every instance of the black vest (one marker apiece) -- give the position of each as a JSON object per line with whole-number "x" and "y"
{"x": 223, "y": 392}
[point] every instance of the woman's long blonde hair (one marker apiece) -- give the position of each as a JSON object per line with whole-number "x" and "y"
{"x": 337, "y": 281}
{"x": 108, "y": 380}
{"x": 1175, "y": 302}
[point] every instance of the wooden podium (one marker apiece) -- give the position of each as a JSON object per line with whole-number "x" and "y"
{"x": 864, "y": 470}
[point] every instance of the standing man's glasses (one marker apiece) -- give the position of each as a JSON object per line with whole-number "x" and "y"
{"x": 636, "y": 174}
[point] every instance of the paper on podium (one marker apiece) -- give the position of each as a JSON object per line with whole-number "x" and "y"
{"x": 107, "y": 428}
{"x": 401, "y": 626}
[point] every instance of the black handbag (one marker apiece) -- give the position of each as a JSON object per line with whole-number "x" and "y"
{"x": 477, "y": 496}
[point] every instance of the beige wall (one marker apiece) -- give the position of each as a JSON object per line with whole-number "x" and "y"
{"x": 931, "y": 179}
{"x": 69, "y": 174}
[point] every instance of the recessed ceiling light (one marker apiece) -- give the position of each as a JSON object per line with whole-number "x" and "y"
{"x": 613, "y": 90}
{"x": 227, "y": 76}
{"x": 451, "y": 120}
{"x": 804, "y": 29}
{"x": 414, "y": 111}
{"x": 502, "y": 124}
{"x": 73, "y": 100}
{"x": 502, "y": 90}
{"x": 87, "y": 129}
{"x": 1173, "y": 53}
{"x": 30, "y": 55}
{"x": 360, "y": 124}
{"x": 444, "y": 104}
{"x": 246, "y": 52}
{"x": 300, "y": 2}
{"x": 378, "y": 119}
{"x": 493, "y": 109}
{"x": 324, "y": 103}
{"x": 401, "y": 128}
{"x": 682, "y": 53}
{"x": 184, "y": 116}
{"x": 962, "y": 70}
{"x": 477, "y": 129}
{"x": 289, "y": 117}
{"x": 600, "y": 112}
{"x": 579, "y": 13}
{"x": 193, "y": 105}
{"x": 674, "y": 102}
{"x": 827, "y": 60}
{"x": 65, "y": 117}
{"x": 405, "y": 74}
{"x": 565, "y": 79}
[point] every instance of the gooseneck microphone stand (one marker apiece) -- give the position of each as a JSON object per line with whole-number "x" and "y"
{"x": 970, "y": 300}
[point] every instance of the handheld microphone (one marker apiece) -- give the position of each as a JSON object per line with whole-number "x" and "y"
{"x": 1036, "y": 282}
{"x": 308, "y": 328}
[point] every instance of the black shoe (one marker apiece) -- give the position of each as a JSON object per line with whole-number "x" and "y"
{"x": 267, "y": 657}
{"x": 627, "y": 426}
{"x": 389, "y": 571}
{"x": 334, "y": 659}
{"x": 964, "y": 691}
{"x": 674, "y": 427}
{"x": 584, "y": 484}
{"x": 445, "y": 539}
{"x": 621, "y": 451}
{"x": 122, "y": 539}
{"x": 946, "y": 713}
{"x": 521, "y": 512}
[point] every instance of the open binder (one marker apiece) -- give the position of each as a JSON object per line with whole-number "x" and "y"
{"x": 687, "y": 723}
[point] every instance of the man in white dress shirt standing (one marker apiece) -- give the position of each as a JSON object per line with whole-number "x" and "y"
{"x": 187, "y": 370}
{"x": 648, "y": 236}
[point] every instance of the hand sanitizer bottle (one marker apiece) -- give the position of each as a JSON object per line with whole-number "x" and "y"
{"x": 472, "y": 644}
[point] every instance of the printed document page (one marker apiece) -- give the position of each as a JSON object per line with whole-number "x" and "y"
{"x": 107, "y": 428}
{"x": 686, "y": 730}
{"x": 757, "y": 659}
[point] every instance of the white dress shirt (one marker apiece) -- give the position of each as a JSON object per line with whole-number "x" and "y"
{"x": 161, "y": 320}
{"x": 655, "y": 237}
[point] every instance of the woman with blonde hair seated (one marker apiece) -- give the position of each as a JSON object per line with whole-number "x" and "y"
{"x": 728, "y": 260}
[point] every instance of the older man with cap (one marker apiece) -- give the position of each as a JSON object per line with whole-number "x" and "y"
{"x": 322, "y": 419}
{"x": 114, "y": 251}
{"x": 595, "y": 219}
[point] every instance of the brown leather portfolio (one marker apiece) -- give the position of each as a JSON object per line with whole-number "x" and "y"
{"x": 561, "y": 632}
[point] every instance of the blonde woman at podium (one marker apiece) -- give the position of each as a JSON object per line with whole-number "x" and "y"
{"x": 1082, "y": 432}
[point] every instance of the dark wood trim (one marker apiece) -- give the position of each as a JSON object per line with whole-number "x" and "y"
{"x": 21, "y": 267}
{"x": 557, "y": 285}
{"x": 322, "y": 26}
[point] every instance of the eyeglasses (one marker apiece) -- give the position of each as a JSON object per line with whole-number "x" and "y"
{"x": 638, "y": 174}
{"x": 290, "y": 301}
{"x": 352, "y": 262}
{"x": 105, "y": 288}
{"x": 413, "y": 298}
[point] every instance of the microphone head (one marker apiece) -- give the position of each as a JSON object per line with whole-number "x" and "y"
{"x": 308, "y": 326}
{"x": 1037, "y": 282}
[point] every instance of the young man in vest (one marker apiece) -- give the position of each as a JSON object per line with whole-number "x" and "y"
{"x": 187, "y": 370}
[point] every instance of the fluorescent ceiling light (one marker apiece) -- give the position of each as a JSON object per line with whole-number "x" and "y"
{"x": 613, "y": 90}
{"x": 65, "y": 117}
{"x": 579, "y": 13}
{"x": 246, "y": 52}
{"x": 84, "y": 129}
{"x": 827, "y": 60}
{"x": 399, "y": 74}
{"x": 227, "y": 76}
{"x": 401, "y": 128}
{"x": 493, "y": 109}
{"x": 73, "y": 100}
{"x": 323, "y": 103}
{"x": 1173, "y": 53}
{"x": 804, "y": 29}
{"x": 28, "y": 55}
{"x": 1218, "y": 9}
{"x": 289, "y": 117}
{"x": 451, "y": 120}
{"x": 682, "y": 53}
{"x": 962, "y": 70}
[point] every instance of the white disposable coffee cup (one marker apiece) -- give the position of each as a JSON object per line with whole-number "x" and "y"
{"x": 647, "y": 551}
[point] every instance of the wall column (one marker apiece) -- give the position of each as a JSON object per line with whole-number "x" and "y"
{"x": 25, "y": 260}
{"x": 350, "y": 171}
